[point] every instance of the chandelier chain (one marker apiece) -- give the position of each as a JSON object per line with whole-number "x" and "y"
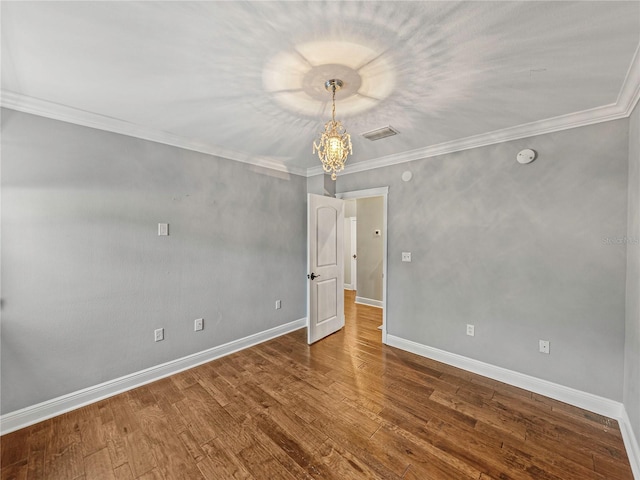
{"x": 333, "y": 110}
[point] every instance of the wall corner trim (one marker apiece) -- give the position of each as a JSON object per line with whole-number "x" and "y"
{"x": 630, "y": 443}
{"x": 13, "y": 421}
{"x": 587, "y": 401}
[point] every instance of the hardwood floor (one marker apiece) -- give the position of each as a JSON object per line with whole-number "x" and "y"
{"x": 345, "y": 408}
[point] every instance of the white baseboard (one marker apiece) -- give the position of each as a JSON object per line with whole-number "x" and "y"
{"x": 369, "y": 301}
{"x": 348, "y": 286}
{"x": 587, "y": 401}
{"x": 36, "y": 413}
{"x": 631, "y": 444}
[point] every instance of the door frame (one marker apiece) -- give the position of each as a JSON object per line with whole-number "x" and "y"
{"x": 350, "y": 223}
{"x": 353, "y": 221}
{"x": 384, "y": 193}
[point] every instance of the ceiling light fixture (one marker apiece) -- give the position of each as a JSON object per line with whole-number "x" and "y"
{"x": 334, "y": 144}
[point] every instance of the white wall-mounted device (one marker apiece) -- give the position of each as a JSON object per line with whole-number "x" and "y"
{"x": 526, "y": 156}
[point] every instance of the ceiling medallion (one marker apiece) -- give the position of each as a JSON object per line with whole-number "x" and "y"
{"x": 334, "y": 144}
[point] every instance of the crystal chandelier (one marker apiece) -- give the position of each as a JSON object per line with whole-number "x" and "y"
{"x": 334, "y": 144}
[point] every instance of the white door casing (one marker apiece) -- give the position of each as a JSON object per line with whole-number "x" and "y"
{"x": 354, "y": 253}
{"x": 325, "y": 257}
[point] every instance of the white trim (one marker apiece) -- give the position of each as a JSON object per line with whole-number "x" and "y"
{"x": 556, "y": 124}
{"x": 44, "y": 108}
{"x": 369, "y": 301}
{"x": 369, "y": 192}
{"x": 630, "y": 91}
{"x": 36, "y": 413}
{"x": 588, "y": 401}
{"x": 348, "y": 286}
{"x": 353, "y": 253}
{"x": 630, "y": 443}
{"x": 627, "y": 99}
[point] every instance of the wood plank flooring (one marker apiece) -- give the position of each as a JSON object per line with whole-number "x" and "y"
{"x": 345, "y": 408}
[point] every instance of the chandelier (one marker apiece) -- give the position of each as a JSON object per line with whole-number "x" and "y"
{"x": 334, "y": 144}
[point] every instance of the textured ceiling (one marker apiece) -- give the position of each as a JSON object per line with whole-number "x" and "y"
{"x": 245, "y": 79}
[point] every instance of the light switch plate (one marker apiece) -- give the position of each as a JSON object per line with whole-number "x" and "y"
{"x": 158, "y": 334}
{"x": 163, "y": 229}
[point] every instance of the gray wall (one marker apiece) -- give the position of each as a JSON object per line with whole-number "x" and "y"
{"x": 321, "y": 185}
{"x": 632, "y": 336}
{"x": 369, "y": 269}
{"x": 519, "y": 251}
{"x": 86, "y": 279}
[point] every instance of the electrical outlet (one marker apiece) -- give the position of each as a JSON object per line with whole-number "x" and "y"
{"x": 158, "y": 334}
{"x": 198, "y": 324}
{"x": 278, "y": 304}
{"x": 406, "y": 256}
{"x": 543, "y": 346}
{"x": 471, "y": 330}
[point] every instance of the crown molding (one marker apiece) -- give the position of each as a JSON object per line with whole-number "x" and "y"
{"x": 628, "y": 97}
{"x": 43, "y": 108}
{"x": 630, "y": 91}
{"x": 556, "y": 124}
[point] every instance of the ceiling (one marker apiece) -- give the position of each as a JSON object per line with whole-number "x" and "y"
{"x": 245, "y": 80}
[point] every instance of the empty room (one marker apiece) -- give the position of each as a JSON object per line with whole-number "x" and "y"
{"x": 320, "y": 240}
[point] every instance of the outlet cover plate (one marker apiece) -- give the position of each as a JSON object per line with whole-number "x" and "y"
{"x": 543, "y": 346}
{"x": 198, "y": 324}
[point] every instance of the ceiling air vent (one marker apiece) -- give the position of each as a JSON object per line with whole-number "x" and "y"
{"x": 379, "y": 133}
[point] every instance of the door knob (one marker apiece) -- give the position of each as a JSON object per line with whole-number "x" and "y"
{"x": 355, "y": 256}
{"x": 312, "y": 276}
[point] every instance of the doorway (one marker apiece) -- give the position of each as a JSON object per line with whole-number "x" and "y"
{"x": 371, "y": 232}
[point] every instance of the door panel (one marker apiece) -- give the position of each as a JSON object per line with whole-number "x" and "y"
{"x": 325, "y": 296}
{"x": 327, "y": 291}
{"x": 326, "y": 244}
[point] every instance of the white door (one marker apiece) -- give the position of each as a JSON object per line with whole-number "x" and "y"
{"x": 325, "y": 256}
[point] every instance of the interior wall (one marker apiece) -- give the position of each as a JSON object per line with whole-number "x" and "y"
{"x": 370, "y": 247}
{"x": 321, "y": 185}
{"x": 523, "y": 252}
{"x": 632, "y": 336}
{"x": 86, "y": 279}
